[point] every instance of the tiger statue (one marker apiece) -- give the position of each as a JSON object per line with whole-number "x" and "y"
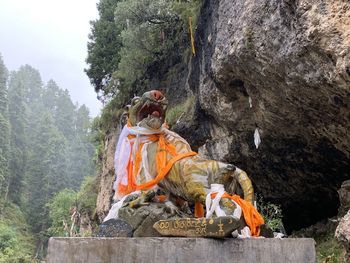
{"x": 150, "y": 157}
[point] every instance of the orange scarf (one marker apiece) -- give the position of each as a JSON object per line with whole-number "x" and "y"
{"x": 251, "y": 216}
{"x": 163, "y": 165}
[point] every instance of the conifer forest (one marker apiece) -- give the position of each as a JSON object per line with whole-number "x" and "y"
{"x": 46, "y": 152}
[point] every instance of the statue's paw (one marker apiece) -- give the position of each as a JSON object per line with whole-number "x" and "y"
{"x": 172, "y": 209}
{"x": 137, "y": 201}
{"x": 130, "y": 198}
{"x": 148, "y": 195}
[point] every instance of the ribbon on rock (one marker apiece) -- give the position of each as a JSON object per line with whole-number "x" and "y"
{"x": 251, "y": 216}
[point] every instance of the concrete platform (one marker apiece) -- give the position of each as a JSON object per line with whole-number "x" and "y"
{"x": 192, "y": 250}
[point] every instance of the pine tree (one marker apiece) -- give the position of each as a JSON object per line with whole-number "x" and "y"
{"x": 18, "y": 121}
{"x": 50, "y": 97}
{"x": 47, "y": 171}
{"x": 33, "y": 92}
{"x": 104, "y": 46}
{"x": 4, "y": 131}
{"x": 82, "y": 150}
{"x": 33, "y": 84}
{"x": 25, "y": 106}
{"x": 64, "y": 116}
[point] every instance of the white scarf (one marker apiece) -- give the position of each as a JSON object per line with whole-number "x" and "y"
{"x": 124, "y": 151}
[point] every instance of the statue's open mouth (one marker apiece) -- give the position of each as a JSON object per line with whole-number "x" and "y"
{"x": 151, "y": 109}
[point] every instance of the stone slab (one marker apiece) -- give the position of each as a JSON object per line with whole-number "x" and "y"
{"x": 164, "y": 249}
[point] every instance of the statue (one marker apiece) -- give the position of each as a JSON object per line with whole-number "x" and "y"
{"x": 153, "y": 163}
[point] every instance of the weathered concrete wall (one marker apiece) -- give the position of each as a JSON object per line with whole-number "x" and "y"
{"x": 194, "y": 250}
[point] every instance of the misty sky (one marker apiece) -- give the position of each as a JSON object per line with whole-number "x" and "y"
{"x": 51, "y": 36}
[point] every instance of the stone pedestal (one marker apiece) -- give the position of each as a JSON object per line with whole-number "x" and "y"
{"x": 194, "y": 250}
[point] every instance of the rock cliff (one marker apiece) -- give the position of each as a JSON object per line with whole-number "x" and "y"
{"x": 282, "y": 67}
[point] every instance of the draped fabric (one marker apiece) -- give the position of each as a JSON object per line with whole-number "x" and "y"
{"x": 131, "y": 158}
{"x": 251, "y": 216}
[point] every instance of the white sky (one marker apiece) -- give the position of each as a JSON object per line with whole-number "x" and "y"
{"x": 51, "y": 36}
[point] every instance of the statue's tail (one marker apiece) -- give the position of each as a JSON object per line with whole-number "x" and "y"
{"x": 245, "y": 183}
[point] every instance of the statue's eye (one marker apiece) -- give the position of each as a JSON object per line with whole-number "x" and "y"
{"x": 135, "y": 100}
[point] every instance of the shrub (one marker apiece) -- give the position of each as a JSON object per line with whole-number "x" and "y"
{"x": 16, "y": 242}
{"x": 271, "y": 213}
{"x": 60, "y": 206}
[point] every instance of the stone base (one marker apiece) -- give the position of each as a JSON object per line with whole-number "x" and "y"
{"x": 163, "y": 249}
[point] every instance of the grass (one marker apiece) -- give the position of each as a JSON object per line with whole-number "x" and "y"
{"x": 176, "y": 113}
{"x": 328, "y": 250}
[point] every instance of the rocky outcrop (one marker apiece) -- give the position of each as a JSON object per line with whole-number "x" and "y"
{"x": 342, "y": 234}
{"x": 282, "y": 67}
{"x": 106, "y": 176}
{"x": 143, "y": 218}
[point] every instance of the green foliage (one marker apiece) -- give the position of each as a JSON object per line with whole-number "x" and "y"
{"x": 174, "y": 114}
{"x": 4, "y": 131}
{"x": 101, "y": 126}
{"x": 81, "y": 150}
{"x": 47, "y": 147}
{"x": 151, "y": 30}
{"x": 271, "y": 213}
{"x": 98, "y": 140}
{"x": 140, "y": 39}
{"x": 87, "y": 195}
{"x": 63, "y": 202}
{"x": 46, "y": 171}
{"x": 103, "y": 47}
{"x": 60, "y": 207}
{"x": 16, "y": 242}
{"x": 11, "y": 250}
{"x": 110, "y": 115}
{"x": 3, "y": 81}
{"x": 328, "y": 249}
{"x": 186, "y": 9}
{"x": 4, "y": 153}
{"x": 18, "y": 120}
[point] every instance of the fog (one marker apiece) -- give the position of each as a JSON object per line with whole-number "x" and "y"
{"x": 51, "y": 36}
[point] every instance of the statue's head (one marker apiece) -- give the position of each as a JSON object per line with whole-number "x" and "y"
{"x": 148, "y": 111}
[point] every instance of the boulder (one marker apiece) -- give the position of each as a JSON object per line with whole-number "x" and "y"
{"x": 143, "y": 218}
{"x": 114, "y": 228}
{"x": 342, "y": 234}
